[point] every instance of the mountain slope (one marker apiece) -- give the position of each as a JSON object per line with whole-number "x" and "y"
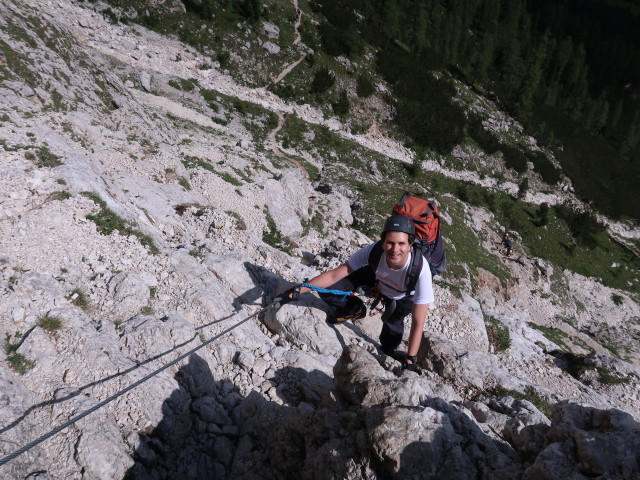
{"x": 145, "y": 210}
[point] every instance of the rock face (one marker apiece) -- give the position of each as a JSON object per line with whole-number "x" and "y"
{"x": 134, "y": 229}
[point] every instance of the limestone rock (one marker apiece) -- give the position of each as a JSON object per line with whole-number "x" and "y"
{"x": 130, "y": 293}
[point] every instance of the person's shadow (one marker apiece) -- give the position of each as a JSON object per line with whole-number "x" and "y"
{"x": 209, "y": 430}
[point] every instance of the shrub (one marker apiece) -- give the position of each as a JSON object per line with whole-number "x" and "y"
{"x": 286, "y": 92}
{"x": 364, "y": 87}
{"x": 203, "y": 8}
{"x": 617, "y": 299}
{"x": 184, "y": 183}
{"x": 583, "y": 225}
{"x": 541, "y": 164}
{"x": 223, "y": 59}
{"x": 240, "y": 225}
{"x": 523, "y": 187}
{"x": 542, "y": 215}
{"x": 514, "y": 158}
{"x": 484, "y": 138}
{"x": 323, "y": 80}
{"x": 341, "y": 106}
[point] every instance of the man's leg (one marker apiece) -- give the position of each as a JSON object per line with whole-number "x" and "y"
{"x": 352, "y": 307}
{"x": 393, "y": 327}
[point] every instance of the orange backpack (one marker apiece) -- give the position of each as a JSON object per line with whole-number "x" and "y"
{"x": 426, "y": 219}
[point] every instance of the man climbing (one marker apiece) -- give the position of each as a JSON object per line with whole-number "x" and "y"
{"x": 507, "y": 244}
{"x": 383, "y": 266}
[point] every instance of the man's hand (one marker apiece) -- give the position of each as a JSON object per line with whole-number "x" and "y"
{"x": 410, "y": 363}
{"x": 287, "y": 296}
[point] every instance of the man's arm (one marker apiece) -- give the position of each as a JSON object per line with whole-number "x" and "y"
{"x": 330, "y": 277}
{"x": 418, "y": 316}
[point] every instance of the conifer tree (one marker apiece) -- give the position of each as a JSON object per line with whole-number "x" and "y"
{"x": 531, "y": 81}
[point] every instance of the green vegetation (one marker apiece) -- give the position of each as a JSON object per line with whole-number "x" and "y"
{"x": 18, "y": 362}
{"x": 529, "y": 394}
{"x": 44, "y": 158}
{"x": 498, "y": 334}
{"x": 184, "y": 183}
{"x": 50, "y": 323}
{"x": 187, "y": 85}
{"x": 274, "y": 238}
{"x": 322, "y": 81}
{"x": 79, "y": 298}
{"x": 364, "y": 87}
{"x": 341, "y": 106}
{"x": 617, "y": 299}
{"x": 607, "y": 377}
{"x": 108, "y": 222}
{"x": 61, "y": 195}
{"x": 553, "y": 334}
{"x": 560, "y": 77}
{"x": 192, "y": 162}
{"x": 147, "y": 310}
{"x": 240, "y": 225}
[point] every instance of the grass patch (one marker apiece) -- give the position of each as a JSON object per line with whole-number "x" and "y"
{"x": 227, "y": 177}
{"x": 498, "y": 334}
{"x": 186, "y": 85}
{"x": 569, "y": 321}
{"x": 242, "y": 175}
{"x": 274, "y": 238}
{"x": 529, "y": 394}
{"x": 79, "y": 298}
{"x": 43, "y": 158}
{"x": 184, "y": 183}
{"x": 108, "y": 222}
{"x": 61, "y": 195}
{"x": 240, "y": 224}
{"x": 553, "y": 334}
{"x": 607, "y": 377}
{"x": 17, "y": 362}
{"x": 50, "y": 323}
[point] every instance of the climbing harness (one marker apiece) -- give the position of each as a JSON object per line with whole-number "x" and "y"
{"x": 116, "y": 395}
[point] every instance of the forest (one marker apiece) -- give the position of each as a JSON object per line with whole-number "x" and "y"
{"x": 567, "y": 69}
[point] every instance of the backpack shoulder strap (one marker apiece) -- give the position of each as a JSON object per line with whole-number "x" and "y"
{"x": 375, "y": 255}
{"x": 416, "y": 267}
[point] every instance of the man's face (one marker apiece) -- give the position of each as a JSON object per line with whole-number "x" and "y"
{"x": 396, "y": 249}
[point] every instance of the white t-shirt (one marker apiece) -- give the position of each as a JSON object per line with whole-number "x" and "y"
{"x": 391, "y": 282}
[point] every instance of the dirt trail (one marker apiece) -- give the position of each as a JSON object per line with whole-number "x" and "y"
{"x": 296, "y": 41}
{"x": 273, "y": 145}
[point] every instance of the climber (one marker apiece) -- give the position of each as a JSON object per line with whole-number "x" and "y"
{"x": 388, "y": 278}
{"x": 507, "y": 244}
